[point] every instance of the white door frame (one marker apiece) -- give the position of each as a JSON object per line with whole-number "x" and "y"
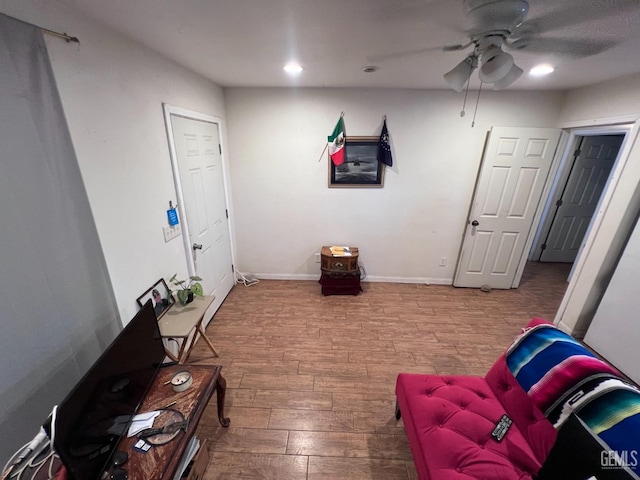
{"x": 172, "y": 110}
{"x": 564, "y": 154}
{"x": 573, "y": 304}
{"x": 561, "y": 179}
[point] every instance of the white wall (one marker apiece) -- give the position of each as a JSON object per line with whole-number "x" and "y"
{"x": 604, "y": 100}
{"x": 112, "y": 92}
{"x": 614, "y": 332}
{"x": 284, "y": 211}
{"x": 601, "y": 104}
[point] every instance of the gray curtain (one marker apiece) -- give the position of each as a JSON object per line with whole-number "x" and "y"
{"x": 57, "y": 308}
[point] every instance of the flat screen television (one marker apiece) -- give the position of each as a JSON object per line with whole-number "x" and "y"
{"x": 91, "y": 420}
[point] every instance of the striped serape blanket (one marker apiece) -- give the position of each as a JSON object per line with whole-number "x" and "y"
{"x": 548, "y": 363}
{"x": 562, "y": 377}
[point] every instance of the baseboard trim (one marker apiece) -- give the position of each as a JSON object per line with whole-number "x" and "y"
{"x": 284, "y": 276}
{"x": 369, "y": 278}
{"x": 420, "y": 280}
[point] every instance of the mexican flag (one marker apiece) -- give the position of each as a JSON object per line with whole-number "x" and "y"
{"x": 336, "y": 143}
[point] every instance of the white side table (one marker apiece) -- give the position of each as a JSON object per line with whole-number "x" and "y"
{"x": 181, "y": 321}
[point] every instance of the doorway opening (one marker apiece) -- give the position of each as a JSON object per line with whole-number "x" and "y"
{"x": 580, "y": 185}
{"x": 578, "y": 188}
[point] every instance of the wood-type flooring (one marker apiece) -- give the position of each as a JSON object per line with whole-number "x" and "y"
{"x": 310, "y": 379}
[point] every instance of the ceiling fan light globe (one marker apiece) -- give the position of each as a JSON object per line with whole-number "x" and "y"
{"x": 457, "y": 77}
{"x": 511, "y": 77}
{"x": 496, "y": 65}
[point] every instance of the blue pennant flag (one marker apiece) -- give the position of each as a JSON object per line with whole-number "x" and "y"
{"x": 384, "y": 148}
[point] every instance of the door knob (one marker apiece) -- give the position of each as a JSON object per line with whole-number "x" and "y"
{"x": 197, "y": 246}
{"x": 475, "y": 223}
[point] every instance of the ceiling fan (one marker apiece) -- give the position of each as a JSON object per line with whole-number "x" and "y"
{"x": 490, "y": 24}
{"x": 560, "y": 31}
{"x": 495, "y": 25}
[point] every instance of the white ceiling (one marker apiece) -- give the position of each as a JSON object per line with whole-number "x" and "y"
{"x": 246, "y": 42}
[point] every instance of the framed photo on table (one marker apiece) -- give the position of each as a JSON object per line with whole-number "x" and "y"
{"x": 361, "y": 167}
{"x": 160, "y": 297}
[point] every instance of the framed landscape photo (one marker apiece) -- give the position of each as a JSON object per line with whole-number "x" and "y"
{"x": 160, "y": 297}
{"x": 361, "y": 167}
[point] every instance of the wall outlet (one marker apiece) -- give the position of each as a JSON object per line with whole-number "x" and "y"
{"x": 317, "y": 258}
{"x": 443, "y": 262}
{"x": 171, "y": 232}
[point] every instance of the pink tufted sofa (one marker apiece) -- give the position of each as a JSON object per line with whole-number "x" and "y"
{"x": 449, "y": 420}
{"x": 571, "y": 413}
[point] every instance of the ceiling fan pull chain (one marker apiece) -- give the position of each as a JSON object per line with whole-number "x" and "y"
{"x": 464, "y": 103}
{"x": 473, "y": 122}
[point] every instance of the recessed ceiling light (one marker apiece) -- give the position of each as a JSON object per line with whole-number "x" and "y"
{"x": 370, "y": 69}
{"x": 293, "y": 69}
{"x": 541, "y": 70}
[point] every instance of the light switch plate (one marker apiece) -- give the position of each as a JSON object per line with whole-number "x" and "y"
{"x": 171, "y": 232}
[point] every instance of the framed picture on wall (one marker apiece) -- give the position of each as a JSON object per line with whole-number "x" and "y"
{"x": 361, "y": 167}
{"x": 160, "y": 296}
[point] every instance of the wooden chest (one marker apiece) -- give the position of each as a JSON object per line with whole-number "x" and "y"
{"x": 338, "y": 264}
{"x": 340, "y": 283}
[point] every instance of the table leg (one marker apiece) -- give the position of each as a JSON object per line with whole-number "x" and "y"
{"x": 221, "y": 390}
{"x": 184, "y": 352}
{"x": 206, "y": 339}
{"x": 171, "y": 355}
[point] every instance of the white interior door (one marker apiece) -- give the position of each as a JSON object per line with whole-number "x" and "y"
{"x": 581, "y": 195}
{"x": 197, "y": 148}
{"x": 508, "y": 190}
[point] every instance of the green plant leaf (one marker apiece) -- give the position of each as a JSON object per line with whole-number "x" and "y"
{"x": 173, "y": 278}
{"x": 182, "y": 296}
{"x": 197, "y": 289}
{"x": 196, "y": 278}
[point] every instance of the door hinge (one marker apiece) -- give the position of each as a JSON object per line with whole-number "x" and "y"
{"x": 543, "y": 247}
{"x": 220, "y": 149}
{"x": 233, "y": 269}
{"x": 226, "y": 212}
{"x": 577, "y": 153}
{"x": 559, "y": 203}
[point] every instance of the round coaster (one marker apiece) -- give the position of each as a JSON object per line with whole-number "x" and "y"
{"x": 181, "y": 381}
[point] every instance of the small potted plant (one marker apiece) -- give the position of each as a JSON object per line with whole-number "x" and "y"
{"x": 187, "y": 288}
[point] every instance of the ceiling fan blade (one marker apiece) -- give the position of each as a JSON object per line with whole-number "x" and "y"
{"x": 446, "y": 14}
{"x": 455, "y": 48}
{"x": 407, "y": 53}
{"x": 575, "y": 12}
{"x": 567, "y": 47}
